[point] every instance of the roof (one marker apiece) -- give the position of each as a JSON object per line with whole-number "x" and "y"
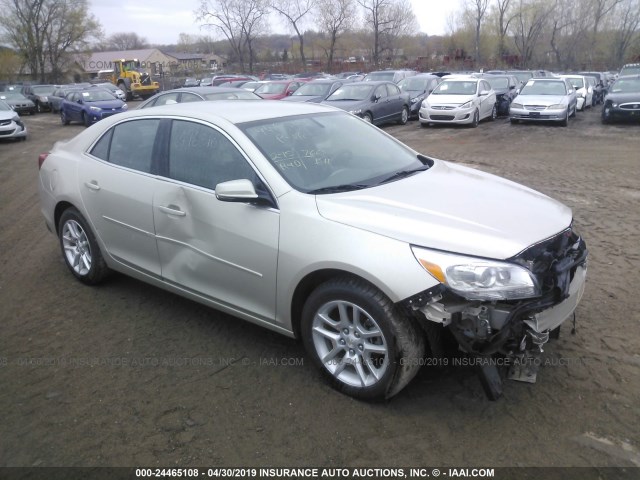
{"x": 233, "y": 111}
{"x": 185, "y": 56}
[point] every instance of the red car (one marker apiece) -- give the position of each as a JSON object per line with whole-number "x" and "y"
{"x": 278, "y": 89}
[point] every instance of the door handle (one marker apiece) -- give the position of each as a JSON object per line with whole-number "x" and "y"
{"x": 172, "y": 210}
{"x": 93, "y": 185}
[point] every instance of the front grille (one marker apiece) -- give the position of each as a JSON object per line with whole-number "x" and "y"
{"x": 535, "y": 108}
{"x": 7, "y": 132}
{"x": 630, "y": 106}
{"x": 442, "y": 107}
{"x": 441, "y": 117}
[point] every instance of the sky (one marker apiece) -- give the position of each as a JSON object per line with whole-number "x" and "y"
{"x": 161, "y": 21}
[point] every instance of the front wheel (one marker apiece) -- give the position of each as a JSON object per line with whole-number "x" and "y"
{"x": 565, "y": 122}
{"x": 63, "y": 118}
{"x": 367, "y": 117}
{"x": 80, "y": 249}
{"x": 494, "y": 113}
{"x": 476, "y": 119}
{"x": 361, "y": 343}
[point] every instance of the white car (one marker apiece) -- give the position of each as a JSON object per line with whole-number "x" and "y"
{"x": 307, "y": 220}
{"x": 459, "y": 100}
{"x": 10, "y": 124}
{"x": 584, "y": 90}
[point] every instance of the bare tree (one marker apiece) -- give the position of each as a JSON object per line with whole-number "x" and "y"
{"x": 334, "y": 17}
{"x": 504, "y": 16}
{"x": 240, "y": 21}
{"x": 387, "y": 20}
{"x": 529, "y": 21}
{"x": 476, "y": 10}
{"x": 126, "y": 41}
{"x": 625, "y": 23}
{"x": 43, "y": 31}
{"x": 295, "y": 12}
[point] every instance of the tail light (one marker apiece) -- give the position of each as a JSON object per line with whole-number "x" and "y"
{"x": 41, "y": 158}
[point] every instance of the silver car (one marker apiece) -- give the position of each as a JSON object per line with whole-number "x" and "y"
{"x": 309, "y": 221}
{"x": 11, "y": 126}
{"x": 545, "y": 99}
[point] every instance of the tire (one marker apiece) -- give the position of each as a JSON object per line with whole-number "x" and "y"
{"x": 85, "y": 120}
{"x": 367, "y": 117}
{"x": 80, "y": 249}
{"x": 63, "y": 118}
{"x": 606, "y": 116}
{"x": 476, "y": 119}
{"x": 364, "y": 347}
{"x": 39, "y": 108}
{"x": 404, "y": 116}
{"x": 494, "y": 113}
{"x": 565, "y": 122}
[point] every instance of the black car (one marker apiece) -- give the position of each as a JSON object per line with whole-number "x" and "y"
{"x": 506, "y": 88}
{"x": 623, "y": 100}
{"x": 418, "y": 87}
{"x": 39, "y": 95}
{"x": 315, "y": 91}
{"x": 376, "y": 102}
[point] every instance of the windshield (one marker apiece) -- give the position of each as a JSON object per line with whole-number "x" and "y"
{"x": 96, "y": 96}
{"x": 375, "y": 76}
{"x": 329, "y": 150}
{"x": 544, "y": 87}
{"x": 108, "y": 86}
{"x": 271, "y": 88}
{"x": 43, "y": 89}
{"x": 414, "y": 84}
{"x": 577, "y": 82}
{"x": 12, "y": 96}
{"x": 624, "y": 85}
{"x": 4, "y": 107}
{"x": 501, "y": 83}
{"x": 313, "y": 89}
{"x": 456, "y": 87}
{"x": 352, "y": 92}
{"x": 239, "y": 95}
{"x": 630, "y": 70}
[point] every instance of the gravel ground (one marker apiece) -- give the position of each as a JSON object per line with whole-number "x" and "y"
{"x": 128, "y": 375}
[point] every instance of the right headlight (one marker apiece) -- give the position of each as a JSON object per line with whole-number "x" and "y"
{"x": 477, "y": 278}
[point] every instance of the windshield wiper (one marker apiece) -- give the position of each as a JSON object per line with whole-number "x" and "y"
{"x": 404, "y": 173}
{"x": 347, "y": 187}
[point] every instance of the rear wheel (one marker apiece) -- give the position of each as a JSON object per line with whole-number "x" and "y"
{"x": 404, "y": 116}
{"x": 80, "y": 249}
{"x": 361, "y": 343}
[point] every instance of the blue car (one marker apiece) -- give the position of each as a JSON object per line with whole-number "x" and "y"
{"x": 89, "y": 106}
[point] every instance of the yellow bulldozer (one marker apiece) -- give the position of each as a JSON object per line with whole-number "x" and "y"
{"x": 132, "y": 80}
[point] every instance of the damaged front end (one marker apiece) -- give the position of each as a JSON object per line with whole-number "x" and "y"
{"x": 507, "y": 309}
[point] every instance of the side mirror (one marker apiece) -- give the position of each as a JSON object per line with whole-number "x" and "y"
{"x": 290, "y": 92}
{"x": 80, "y": 101}
{"x": 483, "y": 93}
{"x": 511, "y": 87}
{"x": 236, "y": 191}
{"x": 376, "y": 97}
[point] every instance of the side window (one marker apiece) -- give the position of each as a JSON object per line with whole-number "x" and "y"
{"x": 189, "y": 97}
{"x": 167, "y": 99}
{"x": 101, "y": 149}
{"x": 202, "y": 156}
{"x": 132, "y": 144}
{"x": 393, "y": 90}
{"x": 382, "y": 91}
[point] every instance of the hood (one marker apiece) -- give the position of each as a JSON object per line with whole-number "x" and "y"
{"x": 541, "y": 99}
{"x": 633, "y": 97}
{"x": 452, "y": 208}
{"x": 106, "y": 104}
{"x": 449, "y": 99}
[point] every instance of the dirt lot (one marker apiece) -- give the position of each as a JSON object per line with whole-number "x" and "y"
{"x": 127, "y": 375}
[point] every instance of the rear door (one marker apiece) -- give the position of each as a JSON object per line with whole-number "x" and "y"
{"x": 224, "y": 251}
{"x": 116, "y": 184}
